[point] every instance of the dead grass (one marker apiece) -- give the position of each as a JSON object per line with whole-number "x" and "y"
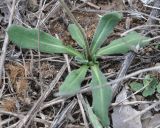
{"x": 29, "y": 79}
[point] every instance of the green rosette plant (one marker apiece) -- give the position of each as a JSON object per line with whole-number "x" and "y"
{"x": 38, "y": 40}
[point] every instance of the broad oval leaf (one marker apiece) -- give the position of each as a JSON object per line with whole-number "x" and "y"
{"x": 76, "y": 35}
{"x": 102, "y": 95}
{"x": 147, "y": 80}
{"x": 36, "y": 39}
{"x": 104, "y": 29}
{"x": 124, "y": 44}
{"x": 151, "y": 83}
{"x": 135, "y": 86}
{"x": 73, "y": 81}
{"x": 148, "y": 91}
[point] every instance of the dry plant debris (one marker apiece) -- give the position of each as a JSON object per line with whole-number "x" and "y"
{"x": 121, "y": 113}
{"x": 26, "y": 77}
{"x": 18, "y": 79}
{"x": 9, "y": 104}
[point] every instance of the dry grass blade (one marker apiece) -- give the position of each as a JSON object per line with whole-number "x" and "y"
{"x": 128, "y": 60}
{"x": 80, "y": 97}
{"x": 52, "y": 102}
{"x": 61, "y": 116}
{"x": 21, "y": 116}
{"x": 54, "y": 9}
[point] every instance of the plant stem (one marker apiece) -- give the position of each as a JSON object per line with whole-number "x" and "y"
{"x": 88, "y": 54}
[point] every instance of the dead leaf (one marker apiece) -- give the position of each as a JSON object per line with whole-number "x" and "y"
{"x": 22, "y": 87}
{"x": 121, "y": 113}
{"x": 32, "y": 5}
{"x": 18, "y": 78}
{"x": 47, "y": 70}
{"x": 15, "y": 71}
{"x": 153, "y": 122}
{"x": 9, "y": 104}
{"x": 27, "y": 68}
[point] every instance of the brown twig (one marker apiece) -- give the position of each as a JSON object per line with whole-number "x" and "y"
{"x": 127, "y": 62}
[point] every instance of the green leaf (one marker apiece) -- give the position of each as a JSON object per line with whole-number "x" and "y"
{"x": 148, "y": 91}
{"x": 76, "y": 35}
{"x": 34, "y": 39}
{"x": 158, "y": 88}
{"x": 104, "y": 29}
{"x": 124, "y": 44}
{"x": 151, "y": 84}
{"x": 102, "y": 95}
{"x": 81, "y": 60}
{"x": 93, "y": 118}
{"x": 73, "y": 81}
{"x": 135, "y": 86}
{"x": 147, "y": 80}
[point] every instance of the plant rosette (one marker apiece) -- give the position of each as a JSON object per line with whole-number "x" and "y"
{"x": 38, "y": 40}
